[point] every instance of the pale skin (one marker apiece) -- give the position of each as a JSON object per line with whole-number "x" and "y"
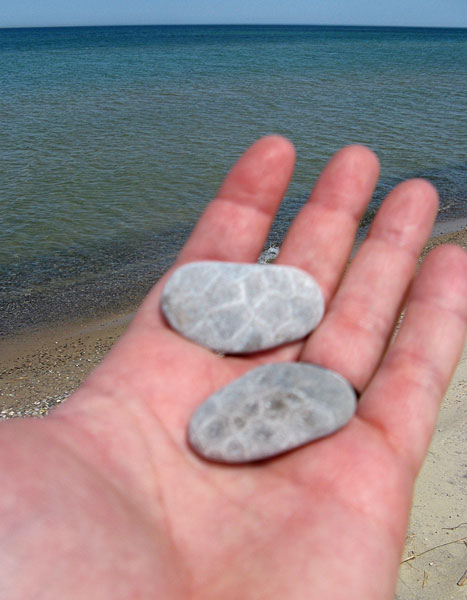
{"x": 104, "y": 499}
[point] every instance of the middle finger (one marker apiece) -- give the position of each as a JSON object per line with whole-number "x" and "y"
{"x": 321, "y": 238}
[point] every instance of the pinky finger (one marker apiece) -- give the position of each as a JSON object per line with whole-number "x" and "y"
{"x": 404, "y": 396}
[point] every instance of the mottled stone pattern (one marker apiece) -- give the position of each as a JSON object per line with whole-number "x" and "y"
{"x": 270, "y": 410}
{"x": 241, "y": 308}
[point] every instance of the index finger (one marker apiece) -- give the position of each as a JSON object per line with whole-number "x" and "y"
{"x": 236, "y": 223}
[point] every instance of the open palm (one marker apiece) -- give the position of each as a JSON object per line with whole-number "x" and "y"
{"x": 105, "y": 499}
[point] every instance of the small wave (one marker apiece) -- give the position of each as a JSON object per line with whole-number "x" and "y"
{"x": 268, "y": 255}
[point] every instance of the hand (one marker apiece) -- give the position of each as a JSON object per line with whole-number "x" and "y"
{"x": 103, "y": 499}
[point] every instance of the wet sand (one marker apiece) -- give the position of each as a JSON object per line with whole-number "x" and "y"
{"x": 40, "y": 370}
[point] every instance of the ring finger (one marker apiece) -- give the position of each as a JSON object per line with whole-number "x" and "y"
{"x": 361, "y": 316}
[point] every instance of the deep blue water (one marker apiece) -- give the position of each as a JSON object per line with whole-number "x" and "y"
{"x": 113, "y": 139}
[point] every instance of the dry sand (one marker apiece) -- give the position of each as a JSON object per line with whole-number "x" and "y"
{"x": 436, "y": 544}
{"x": 40, "y": 370}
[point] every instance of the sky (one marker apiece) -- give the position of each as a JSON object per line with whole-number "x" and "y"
{"x": 427, "y": 13}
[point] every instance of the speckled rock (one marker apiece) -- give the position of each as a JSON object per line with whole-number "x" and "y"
{"x": 241, "y": 308}
{"x": 270, "y": 410}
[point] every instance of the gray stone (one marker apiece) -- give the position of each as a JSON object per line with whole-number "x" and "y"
{"x": 239, "y": 308}
{"x": 269, "y": 411}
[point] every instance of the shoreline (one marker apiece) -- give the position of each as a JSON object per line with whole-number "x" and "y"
{"x": 42, "y": 367}
{"x": 106, "y": 289}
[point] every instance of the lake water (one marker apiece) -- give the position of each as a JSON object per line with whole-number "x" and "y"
{"x": 113, "y": 139}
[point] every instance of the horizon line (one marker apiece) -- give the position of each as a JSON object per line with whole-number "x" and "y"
{"x": 348, "y": 25}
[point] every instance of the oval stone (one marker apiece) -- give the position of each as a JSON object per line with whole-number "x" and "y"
{"x": 238, "y": 308}
{"x": 269, "y": 411}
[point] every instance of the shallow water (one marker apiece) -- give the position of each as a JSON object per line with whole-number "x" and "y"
{"x": 113, "y": 139}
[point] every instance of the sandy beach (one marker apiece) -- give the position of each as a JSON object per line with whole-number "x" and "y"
{"x": 40, "y": 370}
{"x": 435, "y": 553}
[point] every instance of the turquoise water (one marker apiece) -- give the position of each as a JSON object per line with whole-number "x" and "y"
{"x": 113, "y": 139}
